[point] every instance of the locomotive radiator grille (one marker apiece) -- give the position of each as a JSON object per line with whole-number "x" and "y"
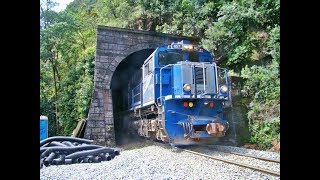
{"x": 199, "y": 79}
{"x": 199, "y": 75}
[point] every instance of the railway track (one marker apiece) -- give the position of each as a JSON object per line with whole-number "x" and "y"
{"x": 264, "y": 170}
{"x": 275, "y": 173}
{"x": 245, "y": 155}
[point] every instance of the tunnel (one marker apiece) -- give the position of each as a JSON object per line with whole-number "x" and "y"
{"x": 119, "y": 88}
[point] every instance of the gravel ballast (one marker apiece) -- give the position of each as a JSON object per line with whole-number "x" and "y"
{"x": 273, "y": 166}
{"x": 265, "y": 154}
{"x": 153, "y": 162}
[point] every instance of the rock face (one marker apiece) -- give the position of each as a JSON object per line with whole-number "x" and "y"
{"x": 275, "y": 146}
{"x": 236, "y": 113}
{"x": 113, "y": 46}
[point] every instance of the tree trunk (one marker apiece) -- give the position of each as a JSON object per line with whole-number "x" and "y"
{"x": 55, "y": 91}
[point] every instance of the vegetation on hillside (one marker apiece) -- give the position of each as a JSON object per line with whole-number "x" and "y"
{"x": 243, "y": 36}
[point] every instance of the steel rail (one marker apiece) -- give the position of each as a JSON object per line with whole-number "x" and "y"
{"x": 233, "y": 162}
{"x": 245, "y": 155}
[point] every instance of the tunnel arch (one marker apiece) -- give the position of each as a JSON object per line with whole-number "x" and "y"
{"x": 114, "y": 47}
{"x": 127, "y": 67}
{"x": 119, "y": 89}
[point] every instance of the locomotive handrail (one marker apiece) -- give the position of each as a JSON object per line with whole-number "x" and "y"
{"x": 226, "y": 79}
{"x": 204, "y": 78}
{"x": 138, "y": 93}
{"x": 161, "y": 79}
{"x": 216, "y": 79}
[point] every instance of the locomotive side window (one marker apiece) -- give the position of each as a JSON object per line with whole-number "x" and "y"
{"x": 206, "y": 60}
{"x": 166, "y": 57}
{"x": 148, "y": 67}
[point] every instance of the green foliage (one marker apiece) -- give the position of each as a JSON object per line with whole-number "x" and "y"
{"x": 116, "y": 13}
{"x": 238, "y": 34}
{"x": 262, "y": 84}
{"x": 190, "y": 17}
{"x": 246, "y": 39}
{"x": 264, "y": 132}
{"x": 84, "y": 84}
{"x": 66, "y": 54}
{"x": 46, "y": 98}
{"x": 263, "y": 88}
{"x": 74, "y": 100}
{"x": 273, "y": 43}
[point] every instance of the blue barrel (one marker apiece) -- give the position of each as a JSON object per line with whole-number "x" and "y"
{"x": 43, "y": 127}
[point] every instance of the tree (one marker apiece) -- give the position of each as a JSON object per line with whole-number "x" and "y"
{"x": 66, "y": 47}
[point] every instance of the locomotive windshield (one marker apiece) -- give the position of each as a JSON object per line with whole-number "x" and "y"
{"x": 194, "y": 57}
{"x": 167, "y": 57}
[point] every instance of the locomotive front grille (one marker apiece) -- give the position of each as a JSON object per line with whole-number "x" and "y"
{"x": 199, "y": 75}
{"x": 199, "y": 79}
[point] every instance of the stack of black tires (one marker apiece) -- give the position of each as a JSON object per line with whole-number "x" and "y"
{"x": 59, "y": 150}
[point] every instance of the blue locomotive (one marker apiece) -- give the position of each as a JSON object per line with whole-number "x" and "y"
{"x": 178, "y": 95}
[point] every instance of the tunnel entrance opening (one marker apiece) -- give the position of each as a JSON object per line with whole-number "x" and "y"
{"x": 119, "y": 87}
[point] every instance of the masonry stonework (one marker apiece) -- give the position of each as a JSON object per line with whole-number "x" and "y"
{"x": 113, "y": 46}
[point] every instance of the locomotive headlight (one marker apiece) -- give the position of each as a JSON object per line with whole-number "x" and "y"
{"x": 187, "y": 87}
{"x": 188, "y": 47}
{"x": 223, "y": 89}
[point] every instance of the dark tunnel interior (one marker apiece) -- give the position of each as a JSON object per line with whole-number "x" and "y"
{"x": 119, "y": 87}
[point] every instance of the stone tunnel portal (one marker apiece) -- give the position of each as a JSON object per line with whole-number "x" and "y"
{"x": 119, "y": 52}
{"x": 119, "y": 88}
